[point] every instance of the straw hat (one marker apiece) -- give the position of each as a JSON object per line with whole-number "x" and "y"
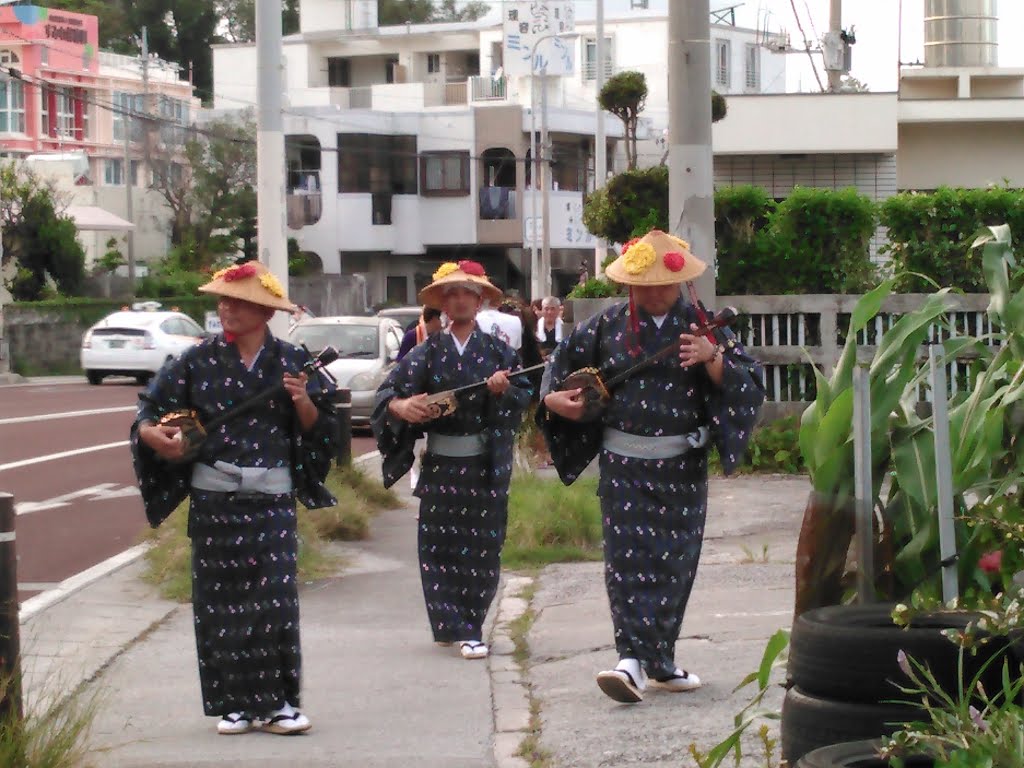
{"x": 250, "y": 282}
{"x": 656, "y": 258}
{"x": 464, "y": 274}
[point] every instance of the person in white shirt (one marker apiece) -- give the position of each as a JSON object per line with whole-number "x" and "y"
{"x": 549, "y": 327}
{"x": 508, "y": 328}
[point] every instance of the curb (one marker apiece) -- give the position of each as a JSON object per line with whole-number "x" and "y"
{"x": 510, "y": 686}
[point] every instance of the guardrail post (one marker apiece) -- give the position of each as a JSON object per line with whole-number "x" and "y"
{"x": 343, "y": 409}
{"x": 10, "y": 655}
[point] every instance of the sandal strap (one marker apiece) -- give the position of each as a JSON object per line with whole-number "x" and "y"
{"x": 632, "y": 681}
{"x": 233, "y": 718}
{"x": 281, "y": 718}
{"x": 471, "y": 644}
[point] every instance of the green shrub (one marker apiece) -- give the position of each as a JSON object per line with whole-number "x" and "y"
{"x": 628, "y": 203}
{"x": 549, "y": 522}
{"x": 745, "y": 251}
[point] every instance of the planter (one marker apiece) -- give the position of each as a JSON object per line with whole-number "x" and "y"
{"x": 856, "y": 754}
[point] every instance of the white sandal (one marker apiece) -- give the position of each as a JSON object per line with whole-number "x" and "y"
{"x": 234, "y": 723}
{"x": 473, "y": 649}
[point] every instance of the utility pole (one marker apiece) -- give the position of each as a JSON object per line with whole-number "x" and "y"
{"x": 600, "y": 140}
{"x": 127, "y": 118}
{"x": 536, "y": 285}
{"x": 545, "y": 179}
{"x": 835, "y": 28}
{"x": 270, "y": 162}
{"x": 691, "y": 202}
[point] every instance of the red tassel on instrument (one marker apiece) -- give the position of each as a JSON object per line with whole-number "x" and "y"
{"x": 702, "y": 316}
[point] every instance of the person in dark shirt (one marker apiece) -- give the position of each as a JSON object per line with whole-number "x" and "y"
{"x": 429, "y": 322}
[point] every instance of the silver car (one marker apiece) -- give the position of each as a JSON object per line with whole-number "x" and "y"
{"x": 367, "y": 348}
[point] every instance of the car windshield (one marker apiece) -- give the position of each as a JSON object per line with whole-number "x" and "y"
{"x": 355, "y": 341}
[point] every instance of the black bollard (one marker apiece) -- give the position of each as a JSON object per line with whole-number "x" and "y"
{"x": 343, "y": 409}
{"x": 10, "y": 658}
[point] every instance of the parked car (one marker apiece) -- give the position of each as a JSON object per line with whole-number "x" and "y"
{"x": 405, "y": 316}
{"x": 367, "y": 348}
{"x": 136, "y": 342}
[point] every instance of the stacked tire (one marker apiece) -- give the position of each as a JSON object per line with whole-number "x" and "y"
{"x": 844, "y": 674}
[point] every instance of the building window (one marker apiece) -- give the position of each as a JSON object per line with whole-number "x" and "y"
{"x": 753, "y": 61}
{"x": 113, "y": 172}
{"x": 9, "y": 57}
{"x": 722, "y": 51}
{"x": 445, "y": 173}
{"x": 134, "y": 173}
{"x": 398, "y": 289}
{"x": 377, "y": 164}
{"x": 433, "y": 63}
{"x": 390, "y": 69}
{"x": 65, "y": 114}
{"x": 12, "y": 107}
{"x": 175, "y": 111}
{"x": 590, "y": 58}
{"x": 339, "y": 72}
{"x": 126, "y": 107}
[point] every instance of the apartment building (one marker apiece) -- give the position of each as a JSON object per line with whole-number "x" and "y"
{"x": 411, "y": 145}
{"x": 61, "y": 96}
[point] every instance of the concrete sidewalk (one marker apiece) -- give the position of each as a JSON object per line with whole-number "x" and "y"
{"x": 381, "y": 694}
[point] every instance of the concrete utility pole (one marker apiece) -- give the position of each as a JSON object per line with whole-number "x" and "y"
{"x": 691, "y": 203}
{"x": 545, "y": 180}
{"x": 272, "y": 241}
{"x": 600, "y": 140}
{"x": 835, "y": 28}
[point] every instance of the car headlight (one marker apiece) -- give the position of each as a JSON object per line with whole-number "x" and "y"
{"x": 366, "y": 380}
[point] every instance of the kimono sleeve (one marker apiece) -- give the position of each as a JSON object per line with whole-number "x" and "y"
{"x": 573, "y": 445}
{"x": 396, "y": 438}
{"x": 314, "y": 450}
{"x": 732, "y": 408}
{"x": 163, "y": 485}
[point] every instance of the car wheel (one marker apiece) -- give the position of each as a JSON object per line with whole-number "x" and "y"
{"x": 94, "y": 377}
{"x": 142, "y": 379}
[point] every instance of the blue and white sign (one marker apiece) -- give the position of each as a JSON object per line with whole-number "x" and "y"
{"x": 567, "y": 228}
{"x": 527, "y": 25}
{"x": 213, "y": 323}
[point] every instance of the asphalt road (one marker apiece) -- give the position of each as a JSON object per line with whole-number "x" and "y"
{"x": 64, "y": 455}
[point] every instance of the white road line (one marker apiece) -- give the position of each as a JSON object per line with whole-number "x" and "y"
{"x": 65, "y": 415}
{"x": 72, "y": 584}
{"x": 62, "y": 455}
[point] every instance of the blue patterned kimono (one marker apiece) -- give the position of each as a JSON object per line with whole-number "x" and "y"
{"x": 463, "y": 500}
{"x": 244, "y": 545}
{"x": 653, "y": 510}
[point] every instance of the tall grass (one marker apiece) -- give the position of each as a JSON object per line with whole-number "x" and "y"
{"x": 53, "y": 733}
{"x": 549, "y": 522}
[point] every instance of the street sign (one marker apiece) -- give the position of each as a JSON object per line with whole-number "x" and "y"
{"x": 213, "y": 323}
{"x": 524, "y": 23}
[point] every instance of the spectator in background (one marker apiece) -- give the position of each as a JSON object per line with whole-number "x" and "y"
{"x": 549, "y": 327}
{"x": 529, "y": 350}
{"x": 429, "y": 322}
{"x": 508, "y": 328}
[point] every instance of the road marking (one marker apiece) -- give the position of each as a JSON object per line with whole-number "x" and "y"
{"x": 62, "y": 455}
{"x": 65, "y": 415}
{"x": 101, "y": 492}
{"x": 72, "y": 584}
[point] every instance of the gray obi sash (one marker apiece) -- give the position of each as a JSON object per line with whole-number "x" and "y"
{"x": 229, "y": 478}
{"x": 457, "y": 446}
{"x": 660, "y": 447}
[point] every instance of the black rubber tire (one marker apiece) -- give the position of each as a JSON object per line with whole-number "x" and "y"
{"x": 94, "y": 377}
{"x": 810, "y": 722}
{"x": 849, "y": 652}
{"x": 855, "y": 754}
{"x": 142, "y": 379}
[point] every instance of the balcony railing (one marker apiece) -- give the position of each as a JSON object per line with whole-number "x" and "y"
{"x": 497, "y": 203}
{"x": 488, "y": 88}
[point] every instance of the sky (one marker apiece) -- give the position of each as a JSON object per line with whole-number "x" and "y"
{"x": 877, "y": 24}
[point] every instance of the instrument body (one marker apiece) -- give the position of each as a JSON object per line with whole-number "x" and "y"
{"x": 595, "y": 391}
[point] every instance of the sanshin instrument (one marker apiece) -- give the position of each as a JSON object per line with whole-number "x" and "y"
{"x": 595, "y": 389}
{"x": 193, "y": 431}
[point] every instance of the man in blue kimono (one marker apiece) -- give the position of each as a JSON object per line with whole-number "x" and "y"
{"x": 243, "y": 485}
{"x": 652, "y": 440}
{"x": 464, "y": 478}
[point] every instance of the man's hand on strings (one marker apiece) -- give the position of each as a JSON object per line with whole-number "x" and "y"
{"x": 694, "y": 350}
{"x": 411, "y": 409}
{"x": 498, "y": 384}
{"x": 567, "y": 403}
{"x": 166, "y": 441}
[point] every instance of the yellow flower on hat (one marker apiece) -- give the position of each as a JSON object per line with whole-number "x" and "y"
{"x": 638, "y": 258}
{"x": 272, "y": 284}
{"x": 446, "y": 269}
{"x": 680, "y": 241}
{"x": 220, "y": 273}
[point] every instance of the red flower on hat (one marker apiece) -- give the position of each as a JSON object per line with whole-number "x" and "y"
{"x": 240, "y": 272}
{"x": 674, "y": 260}
{"x": 629, "y": 244}
{"x": 472, "y": 268}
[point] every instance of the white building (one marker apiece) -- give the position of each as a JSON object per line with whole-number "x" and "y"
{"x": 410, "y": 145}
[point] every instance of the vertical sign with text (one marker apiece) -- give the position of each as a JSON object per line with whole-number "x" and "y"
{"x": 526, "y": 23}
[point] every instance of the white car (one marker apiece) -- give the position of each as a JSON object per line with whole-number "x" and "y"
{"x": 367, "y": 348}
{"x": 136, "y": 343}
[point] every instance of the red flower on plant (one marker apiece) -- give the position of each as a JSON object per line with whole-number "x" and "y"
{"x": 992, "y": 562}
{"x": 242, "y": 271}
{"x": 629, "y": 244}
{"x": 472, "y": 268}
{"x": 674, "y": 260}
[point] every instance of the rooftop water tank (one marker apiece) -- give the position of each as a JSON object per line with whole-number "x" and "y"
{"x": 960, "y": 33}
